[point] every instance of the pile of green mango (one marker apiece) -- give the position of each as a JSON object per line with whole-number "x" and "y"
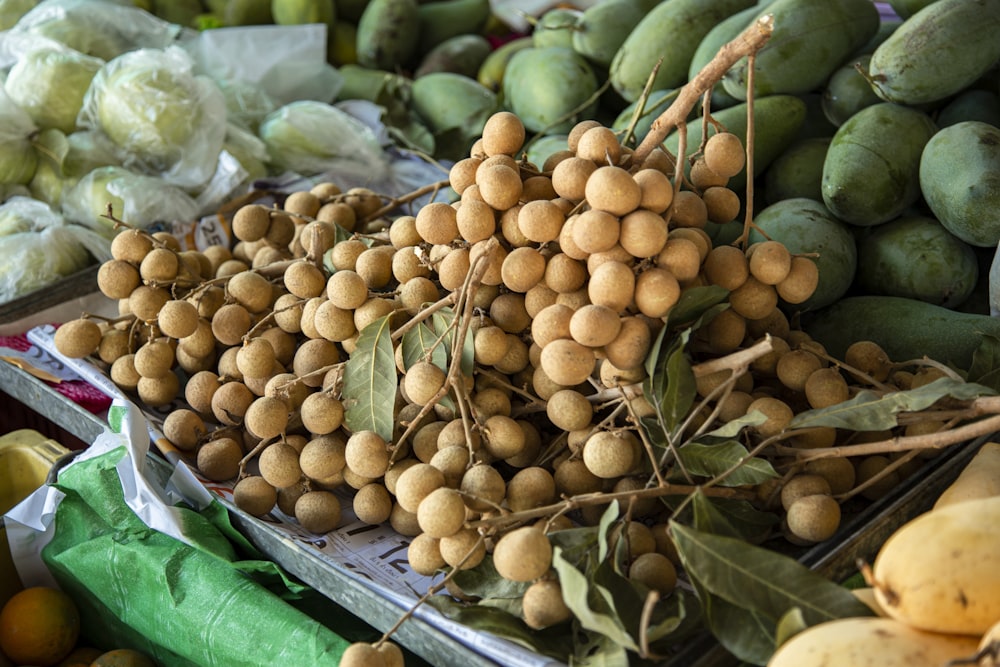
{"x": 877, "y": 125}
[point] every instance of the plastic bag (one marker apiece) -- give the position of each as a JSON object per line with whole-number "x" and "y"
{"x": 17, "y": 157}
{"x": 136, "y": 199}
{"x": 49, "y": 84}
{"x": 165, "y": 120}
{"x": 64, "y": 159}
{"x": 37, "y": 247}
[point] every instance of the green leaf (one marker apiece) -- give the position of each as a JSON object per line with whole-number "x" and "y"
{"x": 869, "y": 411}
{"x": 985, "y": 368}
{"x": 747, "y": 635}
{"x": 626, "y": 598}
{"x": 679, "y": 390}
{"x": 711, "y": 460}
{"x": 590, "y": 605}
{"x": 789, "y": 625}
{"x": 761, "y": 580}
{"x": 735, "y": 427}
{"x": 708, "y": 519}
{"x": 607, "y": 518}
{"x": 596, "y": 650}
{"x": 576, "y": 543}
{"x": 695, "y": 303}
{"x": 483, "y": 581}
{"x": 751, "y": 524}
{"x": 418, "y": 342}
{"x": 442, "y": 325}
{"x": 370, "y": 382}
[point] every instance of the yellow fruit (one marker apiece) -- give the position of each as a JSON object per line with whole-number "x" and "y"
{"x": 39, "y": 626}
{"x": 979, "y": 479}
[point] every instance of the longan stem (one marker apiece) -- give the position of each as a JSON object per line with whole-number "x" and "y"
{"x": 749, "y": 41}
{"x": 396, "y": 202}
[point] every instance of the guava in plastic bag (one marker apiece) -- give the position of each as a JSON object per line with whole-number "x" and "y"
{"x": 136, "y": 199}
{"x": 165, "y": 119}
{"x": 17, "y": 156}
{"x": 247, "y": 104}
{"x": 11, "y": 11}
{"x": 49, "y": 84}
{"x": 309, "y": 137}
{"x": 63, "y": 159}
{"x": 38, "y": 247}
{"x": 104, "y": 29}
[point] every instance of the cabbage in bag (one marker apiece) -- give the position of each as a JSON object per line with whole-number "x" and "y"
{"x": 17, "y": 156}
{"x": 164, "y": 119}
{"x": 49, "y": 84}
{"x": 65, "y": 159}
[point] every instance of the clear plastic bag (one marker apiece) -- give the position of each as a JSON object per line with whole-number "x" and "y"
{"x": 17, "y": 157}
{"x": 49, "y": 84}
{"x": 165, "y": 120}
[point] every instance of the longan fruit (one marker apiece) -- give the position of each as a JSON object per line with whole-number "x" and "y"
{"x": 839, "y": 473}
{"x": 503, "y": 133}
{"x": 794, "y": 368}
{"x": 332, "y": 323}
{"x": 464, "y": 550}
{"x": 372, "y": 503}
{"x": 681, "y": 257}
{"x": 304, "y": 279}
{"x": 230, "y": 402}
{"x": 801, "y": 485}
{"x": 251, "y": 221}
{"x": 643, "y": 233}
{"x": 131, "y": 245}
{"x": 612, "y": 284}
{"x": 454, "y": 268}
{"x": 493, "y": 257}
{"x": 567, "y": 362}
{"x": 813, "y": 518}
{"x": 725, "y": 332}
{"x": 302, "y": 203}
{"x": 403, "y": 232}
{"x": 160, "y": 265}
{"x": 753, "y": 299}
{"x": 610, "y": 454}
{"x": 537, "y": 187}
{"x": 367, "y": 454}
{"x": 563, "y": 274}
{"x": 507, "y": 311}
{"x": 321, "y": 413}
{"x": 629, "y": 349}
{"x": 219, "y": 459}
{"x": 374, "y": 265}
{"x": 323, "y": 456}
{"x": 184, "y": 428}
{"x": 655, "y": 571}
{"x": 279, "y": 464}
{"x": 538, "y": 297}
{"x": 154, "y": 359}
{"x": 254, "y": 495}
{"x": 703, "y": 178}
{"x": 230, "y": 323}
{"x": 199, "y": 390}
{"x": 825, "y": 387}
{"x": 569, "y": 410}
{"x": 801, "y": 281}
{"x": 114, "y": 343}
{"x": 313, "y": 356}
{"x": 255, "y": 358}
{"x": 346, "y": 289}
{"x": 523, "y": 554}
{"x": 542, "y": 605}
{"x": 266, "y": 417}
{"x": 318, "y": 511}
{"x": 595, "y": 230}
{"x": 452, "y": 461}
{"x": 721, "y": 204}
{"x": 503, "y": 437}
{"x": 657, "y": 192}
{"x": 869, "y": 357}
{"x": 417, "y": 292}
{"x": 778, "y": 414}
{"x": 573, "y": 477}
{"x": 688, "y": 210}
{"x": 490, "y": 343}
{"x": 424, "y": 554}
{"x": 871, "y": 466}
{"x": 612, "y": 189}
{"x": 437, "y": 223}
{"x": 656, "y": 292}
{"x": 491, "y": 401}
{"x": 476, "y": 221}
{"x": 483, "y": 487}
{"x": 599, "y": 144}
{"x": 463, "y": 173}
{"x": 594, "y": 325}
{"x": 422, "y": 382}
{"x": 441, "y": 513}
{"x": 157, "y": 392}
{"x": 522, "y": 269}
{"x": 178, "y": 318}
{"x": 578, "y": 130}
{"x": 117, "y": 278}
{"x": 570, "y": 177}
{"x": 724, "y": 154}
{"x": 499, "y": 185}
{"x": 769, "y": 261}
{"x": 145, "y": 302}
{"x": 78, "y": 338}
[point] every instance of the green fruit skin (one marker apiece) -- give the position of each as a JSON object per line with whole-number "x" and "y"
{"x": 810, "y": 40}
{"x": 462, "y": 54}
{"x": 658, "y": 102}
{"x": 547, "y": 87}
{"x": 806, "y": 226}
{"x": 960, "y": 181}
{"x": 300, "y": 12}
{"x": 907, "y": 8}
{"x": 445, "y": 100}
{"x": 848, "y": 92}
{"x": 603, "y": 28}
{"x": 777, "y": 121}
{"x": 671, "y": 31}
{"x": 916, "y": 257}
{"x": 555, "y": 28}
{"x": 492, "y": 70}
{"x": 971, "y": 104}
{"x": 938, "y": 51}
{"x": 905, "y": 328}
{"x": 247, "y": 12}
{"x": 797, "y": 172}
{"x": 871, "y": 173}
{"x": 365, "y": 83}
{"x": 439, "y": 21}
{"x": 386, "y": 35}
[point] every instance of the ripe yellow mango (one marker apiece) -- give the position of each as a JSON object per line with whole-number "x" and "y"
{"x": 870, "y": 641}
{"x": 941, "y": 570}
{"x": 979, "y": 479}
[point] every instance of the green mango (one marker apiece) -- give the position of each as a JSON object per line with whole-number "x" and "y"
{"x": 940, "y": 50}
{"x": 444, "y": 19}
{"x": 810, "y": 40}
{"x": 449, "y": 102}
{"x": 960, "y": 180}
{"x": 387, "y": 34}
{"x": 871, "y": 173}
{"x": 907, "y": 8}
{"x": 461, "y": 54}
{"x": 916, "y": 257}
{"x": 555, "y": 27}
{"x": 798, "y": 171}
{"x": 492, "y": 70}
{"x": 602, "y": 29}
{"x": 351, "y": 10}
{"x": 806, "y": 226}
{"x": 658, "y": 102}
{"x": 549, "y": 89}
{"x": 179, "y": 12}
{"x": 971, "y": 104}
{"x": 247, "y": 12}
{"x": 777, "y": 121}
{"x": 671, "y": 31}
{"x": 365, "y": 83}
{"x": 542, "y": 148}
{"x": 300, "y": 12}
{"x": 905, "y": 328}
{"x": 886, "y": 27}
{"x": 848, "y": 91}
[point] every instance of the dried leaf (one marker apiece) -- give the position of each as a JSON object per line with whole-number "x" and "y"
{"x": 370, "y": 382}
{"x": 869, "y": 411}
{"x": 985, "y": 368}
{"x": 713, "y": 459}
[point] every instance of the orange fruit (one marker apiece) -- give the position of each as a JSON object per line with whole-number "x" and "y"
{"x": 39, "y": 626}
{"x": 81, "y": 656}
{"x": 123, "y": 657}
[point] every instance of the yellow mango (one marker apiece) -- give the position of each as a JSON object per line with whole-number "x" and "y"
{"x": 989, "y": 647}
{"x": 979, "y": 479}
{"x": 870, "y": 641}
{"x": 941, "y": 570}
